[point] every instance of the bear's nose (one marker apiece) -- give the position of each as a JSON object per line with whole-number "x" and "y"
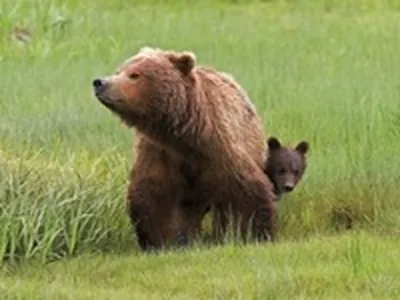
{"x": 288, "y": 188}
{"x": 97, "y": 83}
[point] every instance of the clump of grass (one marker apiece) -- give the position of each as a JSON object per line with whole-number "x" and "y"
{"x": 49, "y": 210}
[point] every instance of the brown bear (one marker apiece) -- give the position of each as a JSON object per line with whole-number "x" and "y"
{"x": 191, "y": 122}
{"x": 285, "y": 166}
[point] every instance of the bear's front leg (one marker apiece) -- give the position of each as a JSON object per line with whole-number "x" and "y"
{"x": 152, "y": 212}
{"x": 194, "y": 207}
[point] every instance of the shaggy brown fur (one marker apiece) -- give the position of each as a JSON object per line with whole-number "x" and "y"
{"x": 189, "y": 120}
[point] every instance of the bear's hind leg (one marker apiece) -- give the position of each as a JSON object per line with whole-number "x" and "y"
{"x": 254, "y": 204}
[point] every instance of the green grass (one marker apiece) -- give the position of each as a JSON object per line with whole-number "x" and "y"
{"x": 356, "y": 266}
{"x": 326, "y": 71}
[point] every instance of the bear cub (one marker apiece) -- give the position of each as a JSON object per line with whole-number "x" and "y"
{"x": 285, "y": 165}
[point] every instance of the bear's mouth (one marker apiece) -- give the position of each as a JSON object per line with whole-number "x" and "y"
{"x": 111, "y": 104}
{"x": 106, "y": 101}
{"x": 102, "y": 98}
{"x": 108, "y": 104}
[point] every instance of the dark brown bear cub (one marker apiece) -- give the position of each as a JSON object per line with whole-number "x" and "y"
{"x": 285, "y": 166}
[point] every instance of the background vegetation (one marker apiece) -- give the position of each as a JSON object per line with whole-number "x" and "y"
{"x": 325, "y": 71}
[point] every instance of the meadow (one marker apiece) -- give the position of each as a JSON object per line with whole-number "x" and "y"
{"x": 324, "y": 71}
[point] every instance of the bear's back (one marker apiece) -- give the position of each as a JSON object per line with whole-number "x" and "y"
{"x": 237, "y": 128}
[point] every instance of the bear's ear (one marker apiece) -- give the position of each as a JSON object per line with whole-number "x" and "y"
{"x": 184, "y": 61}
{"x": 302, "y": 147}
{"x": 273, "y": 143}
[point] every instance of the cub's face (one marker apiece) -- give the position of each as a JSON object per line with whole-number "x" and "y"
{"x": 285, "y": 166}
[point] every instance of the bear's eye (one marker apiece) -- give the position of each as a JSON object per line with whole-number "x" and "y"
{"x": 133, "y": 75}
{"x": 281, "y": 171}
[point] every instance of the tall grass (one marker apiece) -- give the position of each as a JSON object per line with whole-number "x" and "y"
{"x": 326, "y": 73}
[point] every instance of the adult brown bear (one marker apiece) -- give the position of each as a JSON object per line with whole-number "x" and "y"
{"x": 189, "y": 120}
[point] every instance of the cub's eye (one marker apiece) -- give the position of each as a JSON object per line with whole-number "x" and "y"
{"x": 281, "y": 171}
{"x": 133, "y": 75}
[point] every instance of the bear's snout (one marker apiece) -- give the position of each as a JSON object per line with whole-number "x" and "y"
{"x": 98, "y": 85}
{"x": 288, "y": 187}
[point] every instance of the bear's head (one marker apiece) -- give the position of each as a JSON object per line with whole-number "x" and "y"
{"x": 285, "y": 166}
{"x": 148, "y": 87}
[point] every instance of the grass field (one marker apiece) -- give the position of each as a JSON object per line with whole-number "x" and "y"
{"x": 326, "y": 71}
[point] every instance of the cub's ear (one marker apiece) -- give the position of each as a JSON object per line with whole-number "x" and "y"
{"x": 184, "y": 61}
{"x": 302, "y": 147}
{"x": 273, "y": 143}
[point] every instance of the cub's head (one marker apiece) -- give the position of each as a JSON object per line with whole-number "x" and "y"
{"x": 146, "y": 86}
{"x": 285, "y": 165}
